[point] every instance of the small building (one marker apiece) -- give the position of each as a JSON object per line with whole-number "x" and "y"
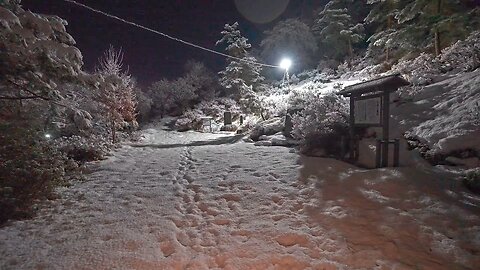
{"x": 370, "y": 108}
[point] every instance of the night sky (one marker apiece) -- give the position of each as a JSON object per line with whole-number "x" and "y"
{"x": 151, "y": 57}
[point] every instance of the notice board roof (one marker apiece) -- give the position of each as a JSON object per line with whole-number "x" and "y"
{"x": 388, "y": 83}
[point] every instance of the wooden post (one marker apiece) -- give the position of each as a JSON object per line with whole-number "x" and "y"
{"x": 352, "y": 128}
{"x": 396, "y": 153}
{"x": 386, "y": 127}
{"x": 378, "y": 154}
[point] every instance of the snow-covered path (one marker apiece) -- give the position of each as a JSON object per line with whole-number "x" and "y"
{"x": 210, "y": 201}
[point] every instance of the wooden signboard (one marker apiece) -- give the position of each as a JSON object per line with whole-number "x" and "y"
{"x": 368, "y": 111}
{"x": 370, "y": 107}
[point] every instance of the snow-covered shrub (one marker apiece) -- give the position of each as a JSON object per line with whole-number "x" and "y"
{"x": 250, "y": 102}
{"x": 192, "y": 119}
{"x": 268, "y": 127}
{"x": 30, "y": 167}
{"x": 426, "y": 68}
{"x": 202, "y": 79}
{"x": 144, "y": 105}
{"x": 322, "y": 122}
{"x": 472, "y": 180}
{"x": 475, "y": 113}
{"x": 171, "y": 97}
{"x": 462, "y": 55}
{"x": 83, "y": 149}
{"x": 216, "y": 108}
{"x": 274, "y": 105}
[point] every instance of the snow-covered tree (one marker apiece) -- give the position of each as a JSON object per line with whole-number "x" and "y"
{"x": 171, "y": 96}
{"x": 388, "y": 35}
{"x": 438, "y": 23}
{"x": 202, "y": 79}
{"x": 13, "y": 5}
{"x": 291, "y": 38}
{"x": 36, "y": 55}
{"x": 336, "y": 30}
{"x": 116, "y": 90}
{"x": 241, "y": 73}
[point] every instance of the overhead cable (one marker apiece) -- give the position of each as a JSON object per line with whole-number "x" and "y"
{"x": 169, "y": 36}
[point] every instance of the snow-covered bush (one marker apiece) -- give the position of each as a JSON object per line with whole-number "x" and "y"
{"x": 268, "y": 127}
{"x": 216, "y": 108}
{"x": 321, "y": 123}
{"x": 29, "y": 169}
{"x": 192, "y": 119}
{"x": 144, "y": 106}
{"x": 250, "y": 102}
{"x": 274, "y": 105}
{"x": 426, "y": 68}
{"x": 472, "y": 180}
{"x": 202, "y": 79}
{"x": 83, "y": 149}
{"x": 171, "y": 97}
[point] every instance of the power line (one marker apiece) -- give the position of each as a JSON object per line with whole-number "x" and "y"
{"x": 168, "y": 36}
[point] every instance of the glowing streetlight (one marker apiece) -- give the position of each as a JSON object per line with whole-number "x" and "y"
{"x": 286, "y": 64}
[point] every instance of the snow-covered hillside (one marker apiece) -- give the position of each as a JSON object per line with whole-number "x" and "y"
{"x": 445, "y": 115}
{"x": 211, "y": 201}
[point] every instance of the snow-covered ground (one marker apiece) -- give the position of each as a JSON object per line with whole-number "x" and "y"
{"x": 211, "y": 201}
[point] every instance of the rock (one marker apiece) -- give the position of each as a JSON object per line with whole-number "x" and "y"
{"x": 472, "y": 162}
{"x": 229, "y": 127}
{"x": 263, "y": 138}
{"x": 248, "y": 140}
{"x": 268, "y": 127}
{"x": 279, "y": 140}
{"x": 263, "y": 143}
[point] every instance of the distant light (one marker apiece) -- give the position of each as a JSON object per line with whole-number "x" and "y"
{"x": 48, "y": 136}
{"x": 286, "y": 63}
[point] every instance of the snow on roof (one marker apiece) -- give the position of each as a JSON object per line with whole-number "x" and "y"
{"x": 387, "y": 83}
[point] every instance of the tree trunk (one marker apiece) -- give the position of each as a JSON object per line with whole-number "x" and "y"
{"x": 114, "y": 134}
{"x": 438, "y": 49}
{"x": 437, "y": 41}
{"x": 387, "y": 49}
{"x": 350, "y": 53}
{"x": 350, "y": 49}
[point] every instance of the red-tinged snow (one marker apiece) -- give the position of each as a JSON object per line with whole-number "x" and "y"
{"x": 445, "y": 115}
{"x": 211, "y": 201}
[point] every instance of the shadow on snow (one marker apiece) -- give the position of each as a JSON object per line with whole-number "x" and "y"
{"x": 219, "y": 141}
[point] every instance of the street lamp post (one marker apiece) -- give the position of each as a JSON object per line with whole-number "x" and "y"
{"x": 286, "y": 64}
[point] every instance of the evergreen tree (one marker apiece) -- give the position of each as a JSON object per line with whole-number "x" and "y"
{"x": 242, "y": 73}
{"x": 336, "y": 30}
{"x": 441, "y": 21}
{"x": 387, "y": 35}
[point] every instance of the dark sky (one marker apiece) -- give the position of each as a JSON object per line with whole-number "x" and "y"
{"x": 151, "y": 57}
